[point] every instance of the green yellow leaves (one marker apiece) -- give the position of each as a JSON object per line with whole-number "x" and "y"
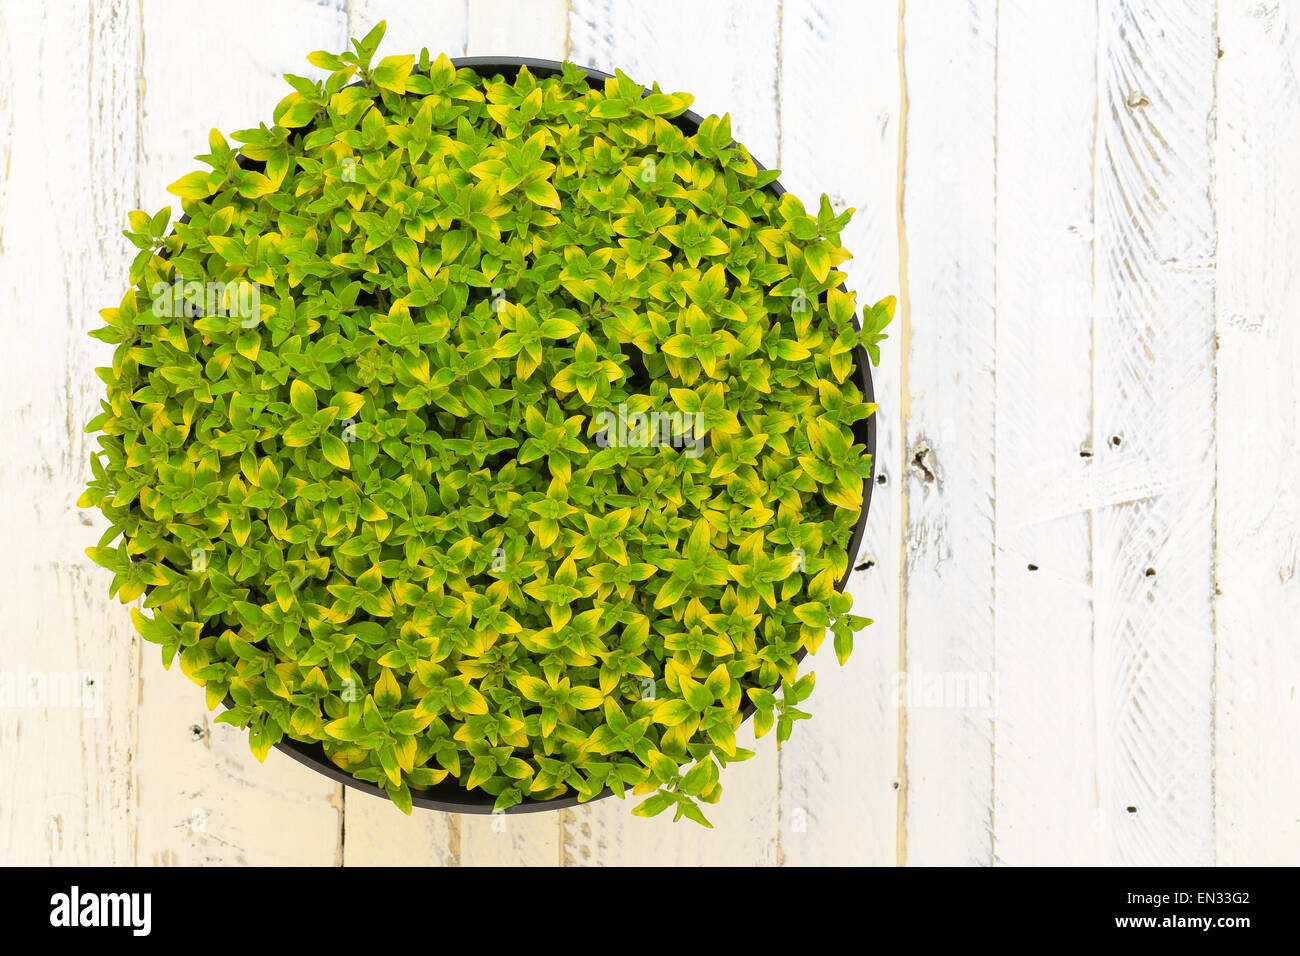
{"x": 701, "y": 342}
{"x": 392, "y": 72}
{"x": 302, "y": 397}
{"x": 311, "y": 425}
{"x": 835, "y": 464}
{"x": 196, "y": 185}
{"x": 588, "y": 373}
{"x": 386, "y": 511}
{"x": 295, "y": 111}
{"x": 874, "y": 320}
{"x": 527, "y": 336}
{"x": 698, "y": 239}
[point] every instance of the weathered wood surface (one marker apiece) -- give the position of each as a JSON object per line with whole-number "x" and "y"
{"x": 1082, "y": 553}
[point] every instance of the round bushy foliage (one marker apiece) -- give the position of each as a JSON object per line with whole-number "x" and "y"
{"x": 485, "y": 427}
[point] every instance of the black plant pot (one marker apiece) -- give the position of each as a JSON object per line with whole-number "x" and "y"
{"x": 449, "y": 796}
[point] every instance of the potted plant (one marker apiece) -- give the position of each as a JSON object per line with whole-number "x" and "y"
{"x": 490, "y": 434}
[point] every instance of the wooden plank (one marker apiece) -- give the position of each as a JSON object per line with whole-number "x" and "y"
{"x": 950, "y": 405}
{"x": 375, "y": 833}
{"x": 1257, "y": 196}
{"x": 68, "y": 100}
{"x": 840, "y": 118}
{"x": 203, "y": 797}
{"x": 605, "y": 833}
{"x": 1153, "y": 412}
{"x": 738, "y": 76}
{"x": 1045, "y": 807}
{"x": 727, "y": 58}
{"x": 539, "y": 28}
{"x": 440, "y": 25}
{"x": 1039, "y": 153}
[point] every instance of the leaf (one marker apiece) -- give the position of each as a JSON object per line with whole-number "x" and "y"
{"x": 391, "y": 72}
{"x": 388, "y": 693}
{"x": 673, "y": 711}
{"x": 586, "y": 698}
{"x": 843, "y": 645}
{"x": 697, "y": 695}
{"x": 532, "y": 688}
{"x": 300, "y": 434}
{"x": 663, "y": 767}
{"x": 294, "y": 111}
{"x": 653, "y": 806}
{"x": 335, "y": 451}
{"x": 302, "y": 397}
{"x": 818, "y": 259}
{"x": 813, "y": 614}
{"x": 192, "y": 186}
{"x": 542, "y": 193}
{"x": 558, "y": 329}
{"x": 691, "y": 810}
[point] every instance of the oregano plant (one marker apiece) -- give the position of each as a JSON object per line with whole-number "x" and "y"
{"x": 488, "y": 428}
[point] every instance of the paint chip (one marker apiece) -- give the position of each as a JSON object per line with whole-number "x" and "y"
{"x": 922, "y": 462}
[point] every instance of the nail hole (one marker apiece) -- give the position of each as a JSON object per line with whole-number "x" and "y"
{"x": 1033, "y": 567}
{"x": 866, "y": 565}
{"x": 1116, "y": 441}
{"x": 880, "y": 478}
{"x": 1131, "y": 809}
{"x": 1151, "y": 572}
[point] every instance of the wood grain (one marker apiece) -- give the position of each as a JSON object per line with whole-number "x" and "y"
{"x": 839, "y": 804}
{"x": 949, "y": 395}
{"x": 1257, "y": 197}
{"x": 1087, "y": 212}
{"x": 67, "y": 742}
{"x": 1044, "y": 724}
{"x": 1154, "y": 395}
{"x": 203, "y": 797}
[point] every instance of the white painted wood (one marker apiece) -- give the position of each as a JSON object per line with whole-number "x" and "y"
{"x": 205, "y": 800}
{"x": 1076, "y": 177}
{"x": 840, "y": 135}
{"x": 203, "y": 797}
{"x": 1154, "y": 400}
{"x": 950, "y": 404}
{"x": 744, "y": 821}
{"x": 68, "y": 141}
{"x": 375, "y": 833}
{"x": 726, "y": 59}
{"x": 1257, "y": 195}
{"x": 1044, "y": 732}
{"x": 539, "y": 28}
{"x": 440, "y": 25}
